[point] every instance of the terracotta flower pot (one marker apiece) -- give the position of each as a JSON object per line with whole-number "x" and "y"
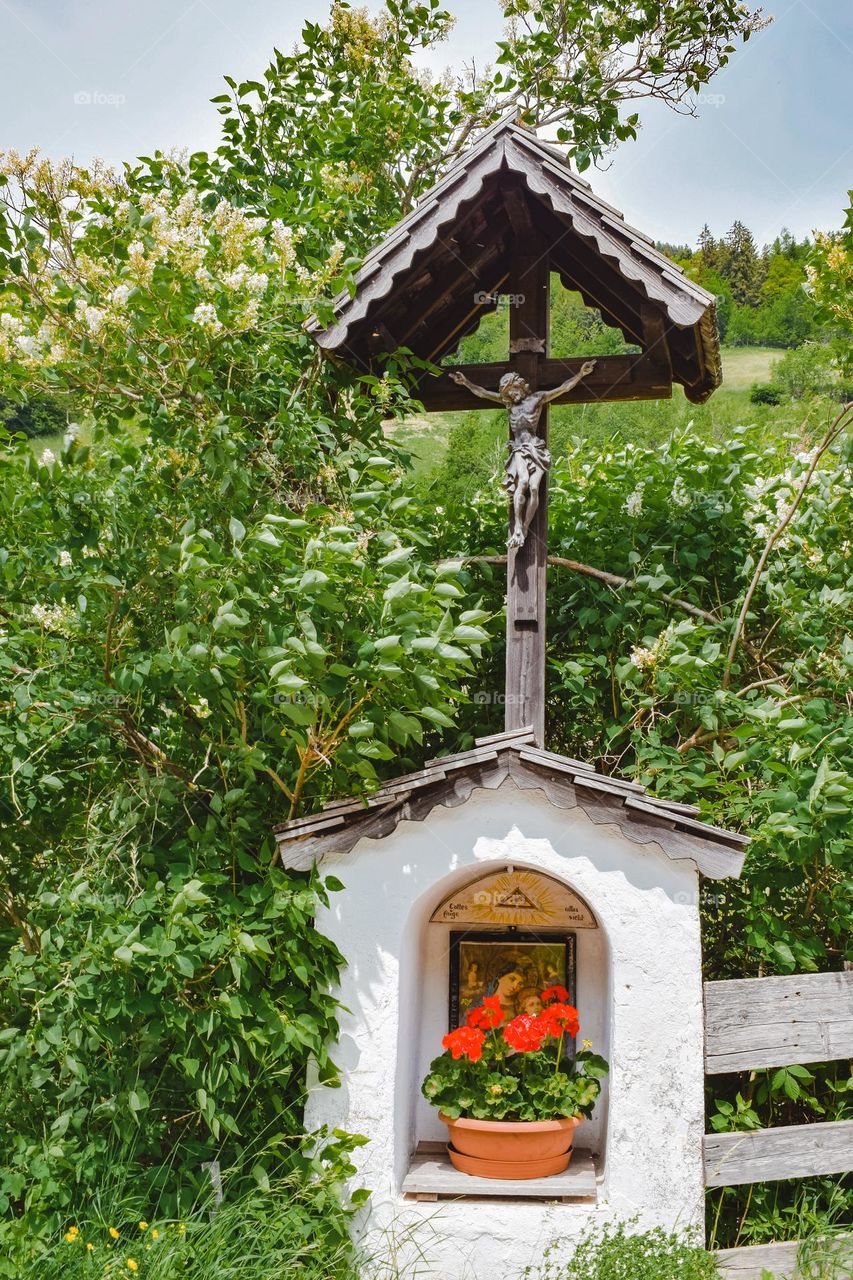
{"x": 510, "y": 1148}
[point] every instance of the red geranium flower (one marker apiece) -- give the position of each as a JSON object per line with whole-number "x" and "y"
{"x": 555, "y": 993}
{"x": 486, "y": 1015}
{"x": 465, "y": 1042}
{"x": 525, "y": 1033}
{"x": 560, "y": 1018}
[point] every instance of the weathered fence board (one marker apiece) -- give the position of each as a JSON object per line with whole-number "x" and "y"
{"x": 781, "y": 1259}
{"x": 772, "y": 1022}
{"x": 765, "y": 1155}
{"x": 749, "y": 1264}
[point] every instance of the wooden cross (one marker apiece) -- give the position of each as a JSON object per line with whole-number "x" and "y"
{"x": 530, "y": 296}
{"x": 527, "y": 567}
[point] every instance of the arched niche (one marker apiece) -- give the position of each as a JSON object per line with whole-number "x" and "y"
{"x": 451, "y": 906}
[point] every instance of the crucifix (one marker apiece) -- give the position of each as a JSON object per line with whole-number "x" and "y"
{"x": 529, "y": 457}
{"x": 526, "y": 483}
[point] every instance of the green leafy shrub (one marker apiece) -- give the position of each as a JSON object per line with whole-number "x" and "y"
{"x": 805, "y": 370}
{"x": 768, "y": 393}
{"x": 224, "y": 607}
{"x": 615, "y": 1253}
{"x": 37, "y": 416}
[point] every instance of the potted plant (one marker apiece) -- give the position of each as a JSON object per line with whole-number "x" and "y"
{"x": 509, "y": 1098}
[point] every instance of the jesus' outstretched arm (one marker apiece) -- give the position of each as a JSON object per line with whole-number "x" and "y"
{"x": 459, "y": 377}
{"x": 564, "y": 387}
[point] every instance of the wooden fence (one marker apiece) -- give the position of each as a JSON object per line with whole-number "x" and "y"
{"x": 753, "y": 1023}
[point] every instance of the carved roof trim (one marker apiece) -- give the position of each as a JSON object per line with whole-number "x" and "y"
{"x": 509, "y": 146}
{"x": 567, "y": 783}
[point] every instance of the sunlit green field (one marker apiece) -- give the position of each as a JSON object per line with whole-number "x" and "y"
{"x": 744, "y": 366}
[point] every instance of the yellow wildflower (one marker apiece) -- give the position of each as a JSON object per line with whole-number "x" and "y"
{"x": 113, "y": 1233}
{"x": 155, "y": 1234}
{"x": 90, "y": 1246}
{"x": 143, "y": 1226}
{"x": 132, "y": 1264}
{"x": 182, "y": 1228}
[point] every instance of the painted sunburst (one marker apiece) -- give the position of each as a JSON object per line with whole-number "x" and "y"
{"x": 516, "y": 897}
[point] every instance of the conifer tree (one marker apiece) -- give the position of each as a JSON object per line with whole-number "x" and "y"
{"x": 741, "y": 265}
{"x": 709, "y": 249}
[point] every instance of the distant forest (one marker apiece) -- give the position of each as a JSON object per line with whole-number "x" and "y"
{"x": 761, "y": 298}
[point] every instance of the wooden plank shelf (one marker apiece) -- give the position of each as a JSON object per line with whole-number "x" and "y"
{"x": 431, "y": 1176}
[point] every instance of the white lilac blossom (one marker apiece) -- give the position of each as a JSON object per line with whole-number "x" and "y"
{"x": 634, "y": 502}
{"x": 646, "y": 659}
{"x": 93, "y": 317}
{"x": 243, "y": 278}
{"x": 52, "y": 617}
{"x": 284, "y": 242}
{"x": 679, "y": 497}
{"x": 643, "y": 658}
{"x": 205, "y": 315}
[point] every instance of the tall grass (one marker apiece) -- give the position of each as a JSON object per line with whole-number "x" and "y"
{"x": 255, "y": 1222}
{"x": 270, "y": 1234}
{"x": 827, "y": 1255}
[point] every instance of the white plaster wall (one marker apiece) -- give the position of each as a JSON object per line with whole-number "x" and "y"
{"x": 640, "y": 997}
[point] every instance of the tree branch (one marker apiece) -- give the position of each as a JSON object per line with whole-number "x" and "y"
{"x": 840, "y": 423}
{"x": 29, "y": 939}
{"x": 602, "y": 575}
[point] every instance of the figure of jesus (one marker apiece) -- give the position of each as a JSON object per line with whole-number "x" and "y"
{"x": 529, "y": 458}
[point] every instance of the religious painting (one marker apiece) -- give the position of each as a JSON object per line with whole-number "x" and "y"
{"x": 516, "y": 897}
{"x": 514, "y": 966}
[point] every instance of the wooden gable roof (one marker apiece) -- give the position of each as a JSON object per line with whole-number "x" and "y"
{"x": 512, "y": 759}
{"x": 437, "y": 272}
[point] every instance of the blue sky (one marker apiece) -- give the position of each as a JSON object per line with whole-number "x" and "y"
{"x": 773, "y": 147}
